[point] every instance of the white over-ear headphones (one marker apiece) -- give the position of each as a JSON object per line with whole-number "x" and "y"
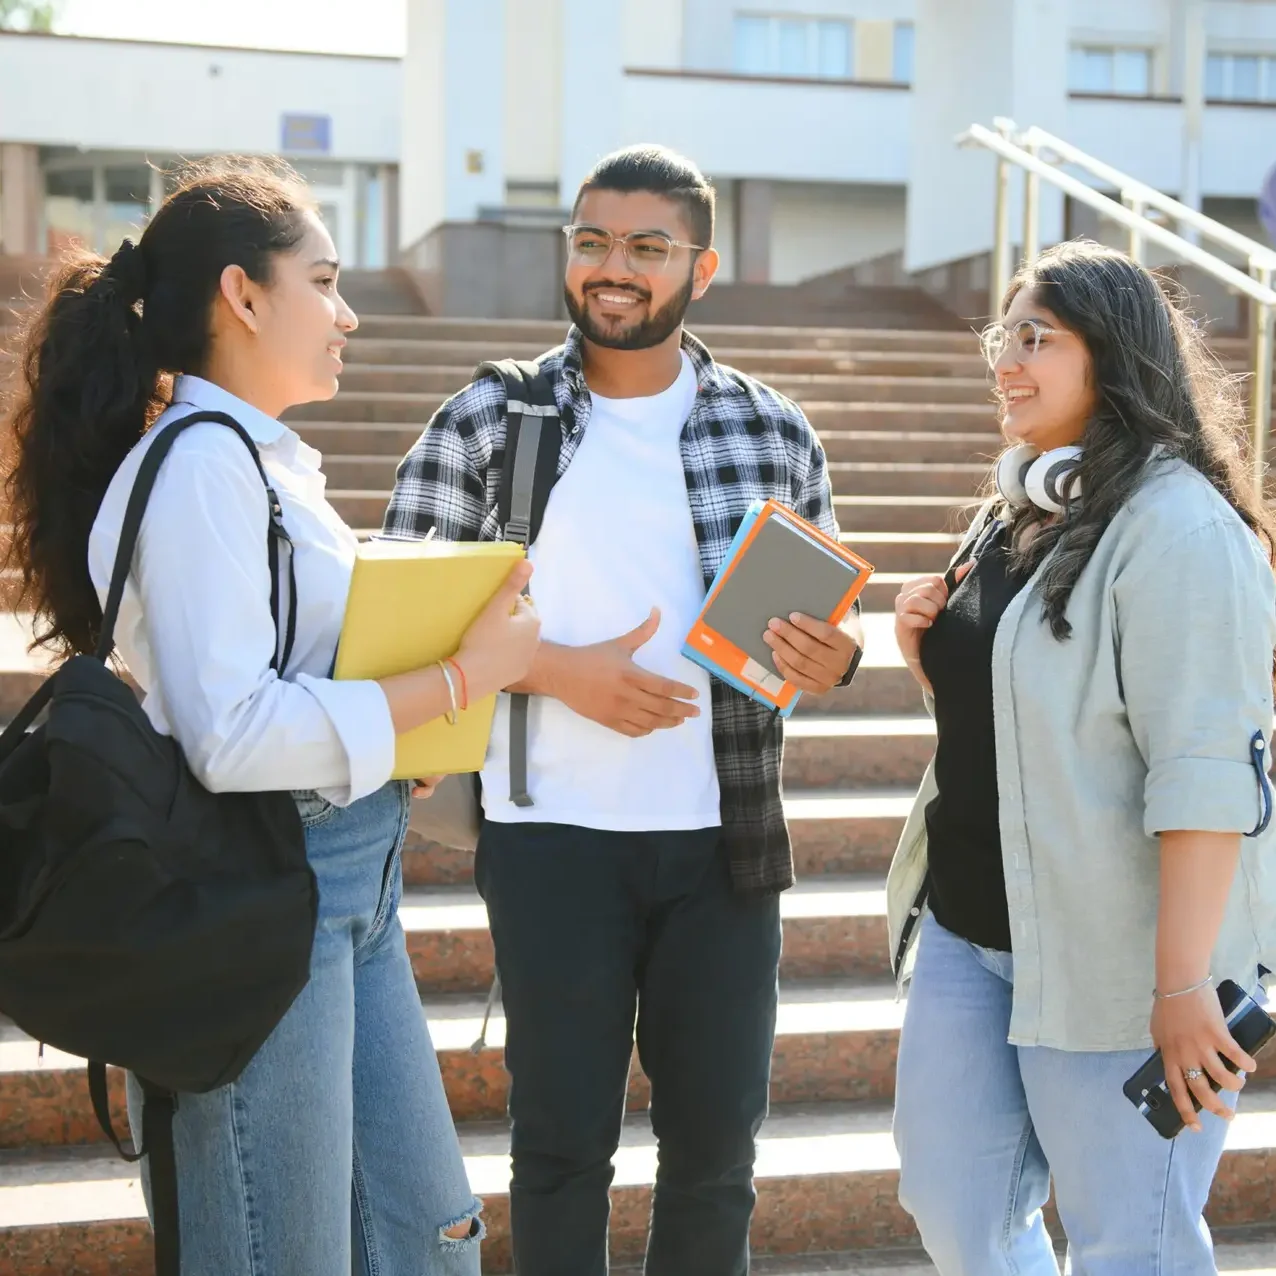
{"x": 1044, "y": 479}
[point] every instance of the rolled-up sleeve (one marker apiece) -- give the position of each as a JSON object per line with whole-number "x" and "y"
{"x": 1196, "y": 631}
{"x": 203, "y": 584}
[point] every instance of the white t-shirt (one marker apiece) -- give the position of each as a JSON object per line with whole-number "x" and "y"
{"x": 616, "y": 541}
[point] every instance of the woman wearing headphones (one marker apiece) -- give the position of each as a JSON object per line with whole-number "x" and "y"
{"x": 1075, "y": 876}
{"x": 334, "y": 1150}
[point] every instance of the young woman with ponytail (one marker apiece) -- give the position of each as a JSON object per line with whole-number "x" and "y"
{"x": 334, "y": 1151}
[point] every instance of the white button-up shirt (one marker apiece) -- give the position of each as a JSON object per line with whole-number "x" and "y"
{"x": 195, "y": 627}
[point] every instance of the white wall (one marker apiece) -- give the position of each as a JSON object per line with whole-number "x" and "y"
{"x": 709, "y": 24}
{"x": 821, "y": 228}
{"x": 1143, "y": 139}
{"x": 119, "y": 95}
{"x": 724, "y": 234}
{"x": 454, "y": 111}
{"x": 593, "y": 80}
{"x": 1241, "y": 24}
{"x": 1020, "y": 48}
{"x": 421, "y": 193}
{"x": 653, "y": 32}
{"x": 533, "y": 74}
{"x": 790, "y": 132}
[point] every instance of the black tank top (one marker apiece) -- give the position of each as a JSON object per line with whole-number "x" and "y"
{"x": 967, "y": 882}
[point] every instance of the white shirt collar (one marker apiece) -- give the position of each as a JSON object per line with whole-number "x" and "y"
{"x": 195, "y": 392}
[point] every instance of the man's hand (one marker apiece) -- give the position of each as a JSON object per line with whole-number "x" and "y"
{"x": 812, "y": 655}
{"x": 601, "y": 682}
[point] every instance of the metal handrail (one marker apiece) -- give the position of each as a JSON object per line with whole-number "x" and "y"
{"x": 1134, "y": 193}
{"x": 1022, "y": 149}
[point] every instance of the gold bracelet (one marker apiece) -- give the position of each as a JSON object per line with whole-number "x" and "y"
{"x": 450, "y": 718}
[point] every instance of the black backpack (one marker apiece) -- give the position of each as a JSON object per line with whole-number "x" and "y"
{"x": 144, "y": 921}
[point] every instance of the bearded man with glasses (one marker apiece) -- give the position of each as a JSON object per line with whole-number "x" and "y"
{"x": 639, "y": 889}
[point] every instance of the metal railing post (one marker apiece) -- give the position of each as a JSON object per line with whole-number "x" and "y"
{"x": 999, "y": 274}
{"x": 1135, "y": 244}
{"x": 1261, "y": 398}
{"x": 1031, "y": 210}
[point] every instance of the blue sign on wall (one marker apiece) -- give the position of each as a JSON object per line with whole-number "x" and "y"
{"x": 1267, "y": 205}
{"x": 310, "y": 133}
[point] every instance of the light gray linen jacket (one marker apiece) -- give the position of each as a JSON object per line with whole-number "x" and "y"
{"x": 1142, "y": 721}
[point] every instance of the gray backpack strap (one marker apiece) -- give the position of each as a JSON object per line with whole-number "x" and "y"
{"x": 533, "y": 436}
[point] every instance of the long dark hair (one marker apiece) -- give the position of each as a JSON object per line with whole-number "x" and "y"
{"x": 95, "y": 365}
{"x": 1156, "y": 385}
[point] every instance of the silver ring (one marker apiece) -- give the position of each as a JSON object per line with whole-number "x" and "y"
{"x": 1194, "y": 1074}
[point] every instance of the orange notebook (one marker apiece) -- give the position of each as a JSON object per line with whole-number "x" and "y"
{"x": 778, "y": 564}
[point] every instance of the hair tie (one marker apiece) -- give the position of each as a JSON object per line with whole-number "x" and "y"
{"x": 126, "y": 272}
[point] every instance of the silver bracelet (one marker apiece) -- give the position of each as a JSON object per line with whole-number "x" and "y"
{"x": 1183, "y": 992}
{"x": 450, "y": 718}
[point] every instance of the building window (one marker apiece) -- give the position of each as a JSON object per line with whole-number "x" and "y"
{"x": 1240, "y": 77}
{"x": 902, "y": 57}
{"x": 813, "y": 48}
{"x": 1096, "y": 69}
{"x": 69, "y": 210}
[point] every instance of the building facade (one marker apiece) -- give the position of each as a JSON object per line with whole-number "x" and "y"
{"x": 91, "y": 128}
{"x": 828, "y": 126}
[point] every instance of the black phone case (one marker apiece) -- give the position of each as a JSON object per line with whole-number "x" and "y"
{"x": 1146, "y": 1089}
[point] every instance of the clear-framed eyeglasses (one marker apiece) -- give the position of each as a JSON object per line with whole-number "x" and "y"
{"x": 648, "y": 252}
{"x": 1024, "y": 339}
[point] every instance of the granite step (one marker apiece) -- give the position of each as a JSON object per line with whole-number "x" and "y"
{"x": 922, "y": 445}
{"x": 950, "y": 489}
{"x": 827, "y": 1177}
{"x": 836, "y": 1041}
{"x": 905, "y": 478}
{"x": 327, "y": 429}
{"x": 496, "y": 335}
{"x": 364, "y": 371}
{"x": 366, "y": 352}
{"x": 834, "y": 927}
{"x": 428, "y": 385}
{"x": 832, "y": 832}
{"x": 882, "y": 686}
{"x": 896, "y": 512}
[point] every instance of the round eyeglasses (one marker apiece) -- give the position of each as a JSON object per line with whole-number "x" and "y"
{"x": 647, "y": 252}
{"x": 1024, "y": 339}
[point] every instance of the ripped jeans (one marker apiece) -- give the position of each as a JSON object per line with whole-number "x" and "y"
{"x": 334, "y": 1152}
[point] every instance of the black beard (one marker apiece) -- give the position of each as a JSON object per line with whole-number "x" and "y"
{"x": 652, "y": 331}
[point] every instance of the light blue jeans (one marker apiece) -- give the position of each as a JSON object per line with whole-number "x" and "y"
{"x": 334, "y": 1152}
{"x": 982, "y": 1125}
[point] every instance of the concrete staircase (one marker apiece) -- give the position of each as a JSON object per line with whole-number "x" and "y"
{"x": 908, "y": 425}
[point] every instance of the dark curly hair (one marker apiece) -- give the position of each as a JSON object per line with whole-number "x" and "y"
{"x": 1156, "y": 384}
{"x": 95, "y": 363}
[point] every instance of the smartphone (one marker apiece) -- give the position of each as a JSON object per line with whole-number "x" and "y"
{"x": 1251, "y": 1028}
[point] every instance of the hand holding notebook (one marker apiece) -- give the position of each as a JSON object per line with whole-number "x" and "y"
{"x": 414, "y": 604}
{"x": 778, "y": 565}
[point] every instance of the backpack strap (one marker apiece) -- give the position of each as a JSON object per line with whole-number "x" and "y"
{"x": 533, "y": 439}
{"x": 158, "y": 1107}
{"x": 143, "y": 484}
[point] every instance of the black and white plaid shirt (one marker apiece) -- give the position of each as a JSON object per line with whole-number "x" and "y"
{"x": 743, "y": 442}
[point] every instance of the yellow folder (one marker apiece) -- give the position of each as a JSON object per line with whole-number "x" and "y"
{"x": 410, "y": 604}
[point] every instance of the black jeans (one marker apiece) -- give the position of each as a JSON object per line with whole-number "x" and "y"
{"x": 594, "y": 931}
